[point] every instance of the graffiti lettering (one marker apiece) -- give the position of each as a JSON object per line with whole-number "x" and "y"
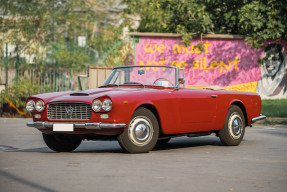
{"x": 200, "y": 64}
{"x": 161, "y": 62}
{"x": 152, "y": 48}
{"x": 190, "y": 49}
{"x": 180, "y": 64}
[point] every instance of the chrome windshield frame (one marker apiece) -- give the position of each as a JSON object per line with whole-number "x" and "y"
{"x": 177, "y": 71}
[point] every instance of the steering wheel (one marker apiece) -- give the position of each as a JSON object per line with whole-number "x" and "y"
{"x": 154, "y": 83}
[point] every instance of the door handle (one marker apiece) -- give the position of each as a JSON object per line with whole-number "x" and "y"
{"x": 213, "y": 96}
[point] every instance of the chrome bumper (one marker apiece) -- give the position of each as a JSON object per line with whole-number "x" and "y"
{"x": 46, "y": 125}
{"x": 259, "y": 118}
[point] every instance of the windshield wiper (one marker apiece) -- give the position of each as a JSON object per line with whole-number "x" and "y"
{"x": 109, "y": 85}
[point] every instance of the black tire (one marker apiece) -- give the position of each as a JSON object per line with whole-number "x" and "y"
{"x": 163, "y": 141}
{"x": 141, "y": 135}
{"x": 62, "y": 143}
{"x": 233, "y": 130}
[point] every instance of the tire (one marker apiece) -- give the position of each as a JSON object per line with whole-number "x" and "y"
{"x": 62, "y": 143}
{"x": 142, "y": 133}
{"x": 233, "y": 130}
{"x": 163, "y": 141}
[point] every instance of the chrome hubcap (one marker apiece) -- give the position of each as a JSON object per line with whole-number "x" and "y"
{"x": 235, "y": 125}
{"x": 140, "y": 131}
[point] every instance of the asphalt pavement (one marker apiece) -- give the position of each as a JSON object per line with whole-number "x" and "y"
{"x": 185, "y": 164}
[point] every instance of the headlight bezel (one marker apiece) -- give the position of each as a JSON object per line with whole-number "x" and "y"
{"x": 107, "y": 105}
{"x": 30, "y": 105}
{"x": 42, "y": 105}
{"x": 98, "y": 103}
{"x": 101, "y": 105}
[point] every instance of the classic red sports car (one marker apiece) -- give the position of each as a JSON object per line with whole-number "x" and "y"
{"x": 141, "y": 106}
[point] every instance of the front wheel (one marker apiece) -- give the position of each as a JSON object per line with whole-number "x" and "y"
{"x": 142, "y": 133}
{"x": 234, "y": 127}
{"x": 62, "y": 143}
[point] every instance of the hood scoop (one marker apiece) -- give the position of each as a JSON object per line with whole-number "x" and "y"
{"x": 79, "y": 94}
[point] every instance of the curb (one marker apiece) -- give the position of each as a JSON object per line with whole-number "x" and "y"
{"x": 273, "y": 120}
{"x": 276, "y": 118}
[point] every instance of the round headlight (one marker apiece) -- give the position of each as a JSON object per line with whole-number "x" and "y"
{"x": 107, "y": 105}
{"x": 40, "y": 106}
{"x": 97, "y": 105}
{"x": 30, "y": 105}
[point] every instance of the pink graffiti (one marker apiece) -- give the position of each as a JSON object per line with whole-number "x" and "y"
{"x": 223, "y": 62}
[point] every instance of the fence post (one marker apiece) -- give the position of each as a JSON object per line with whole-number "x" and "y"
{"x": 17, "y": 68}
{"x": 6, "y": 67}
{"x": 56, "y": 71}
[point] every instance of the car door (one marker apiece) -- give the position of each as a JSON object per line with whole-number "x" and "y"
{"x": 197, "y": 108}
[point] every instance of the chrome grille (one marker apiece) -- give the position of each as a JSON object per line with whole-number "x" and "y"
{"x": 69, "y": 111}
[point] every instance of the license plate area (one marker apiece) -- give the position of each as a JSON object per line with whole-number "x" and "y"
{"x": 63, "y": 127}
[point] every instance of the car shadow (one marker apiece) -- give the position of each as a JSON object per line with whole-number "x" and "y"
{"x": 114, "y": 147}
{"x": 186, "y": 142}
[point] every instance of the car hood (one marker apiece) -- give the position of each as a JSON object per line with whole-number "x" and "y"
{"x": 84, "y": 96}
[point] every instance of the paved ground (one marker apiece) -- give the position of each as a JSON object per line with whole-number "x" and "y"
{"x": 185, "y": 164}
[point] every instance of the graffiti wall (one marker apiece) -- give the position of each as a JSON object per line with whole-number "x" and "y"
{"x": 229, "y": 63}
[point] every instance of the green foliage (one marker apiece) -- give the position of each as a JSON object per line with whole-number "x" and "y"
{"x": 187, "y": 17}
{"x": 257, "y": 20}
{"x": 72, "y": 56}
{"x": 17, "y": 93}
{"x": 274, "y": 108}
{"x": 48, "y": 30}
{"x": 273, "y": 122}
{"x": 262, "y": 20}
{"x": 118, "y": 54}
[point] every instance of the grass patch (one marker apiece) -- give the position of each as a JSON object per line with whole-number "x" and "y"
{"x": 267, "y": 122}
{"x": 274, "y": 108}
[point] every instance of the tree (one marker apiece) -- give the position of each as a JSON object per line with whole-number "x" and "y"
{"x": 257, "y": 20}
{"x": 41, "y": 29}
{"x": 48, "y": 30}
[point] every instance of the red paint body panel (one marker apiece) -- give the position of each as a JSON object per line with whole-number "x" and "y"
{"x": 179, "y": 111}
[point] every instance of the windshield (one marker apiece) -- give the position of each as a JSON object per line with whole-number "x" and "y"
{"x": 156, "y": 75}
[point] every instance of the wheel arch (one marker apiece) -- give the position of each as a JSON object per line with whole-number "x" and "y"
{"x": 153, "y": 109}
{"x": 243, "y": 109}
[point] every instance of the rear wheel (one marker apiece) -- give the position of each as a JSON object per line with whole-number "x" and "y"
{"x": 142, "y": 133}
{"x": 234, "y": 127}
{"x": 62, "y": 143}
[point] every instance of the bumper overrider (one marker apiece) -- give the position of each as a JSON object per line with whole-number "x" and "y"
{"x": 47, "y": 125}
{"x": 259, "y": 118}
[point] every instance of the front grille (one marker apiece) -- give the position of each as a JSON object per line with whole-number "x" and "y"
{"x": 69, "y": 111}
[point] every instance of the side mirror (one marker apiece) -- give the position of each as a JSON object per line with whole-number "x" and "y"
{"x": 181, "y": 80}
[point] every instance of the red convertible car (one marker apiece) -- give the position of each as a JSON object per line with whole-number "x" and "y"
{"x": 141, "y": 106}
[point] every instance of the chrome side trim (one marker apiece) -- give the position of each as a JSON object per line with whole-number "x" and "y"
{"x": 259, "y": 118}
{"x": 46, "y": 125}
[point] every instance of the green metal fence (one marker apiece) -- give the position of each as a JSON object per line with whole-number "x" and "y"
{"x": 53, "y": 79}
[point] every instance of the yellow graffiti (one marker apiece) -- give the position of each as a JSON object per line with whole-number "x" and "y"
{"x": 152, "y": 48}
{"x": 247, "y": 87}
{"x": 153, "y": 62}
{"x": 200, "y": 64}
{"x": 180, "y": 64}
{"x": 190, "y": 49}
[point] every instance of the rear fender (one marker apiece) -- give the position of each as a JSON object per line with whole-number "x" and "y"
{"x": 242, "y": 107}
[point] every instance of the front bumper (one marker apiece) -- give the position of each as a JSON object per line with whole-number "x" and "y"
{"x": 99, "y": 126}
{"x": 259, "y": 118}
